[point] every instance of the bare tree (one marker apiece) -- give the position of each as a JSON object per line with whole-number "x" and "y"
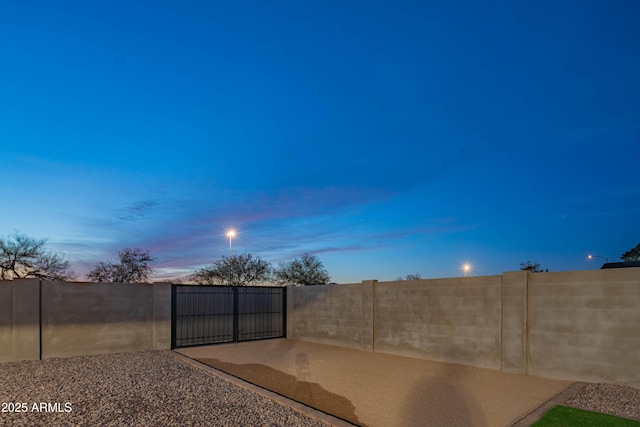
{"x": 415, "y": 276}
{"x": 133, "y": 266}
{"x": 235, "y": 270}
{"x": 532, "y": 267}
{"x": 632, "y": 254}
{"x": 307, "y": 270}
{"x": 22, "y": 256}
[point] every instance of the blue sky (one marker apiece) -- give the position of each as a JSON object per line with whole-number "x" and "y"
{"x": 387, "y": 137}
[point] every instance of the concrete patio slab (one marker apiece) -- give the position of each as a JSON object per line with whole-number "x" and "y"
{"x": 374, "y": 389}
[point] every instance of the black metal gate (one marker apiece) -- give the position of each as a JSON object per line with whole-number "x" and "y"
{"x": 220, "y": 314}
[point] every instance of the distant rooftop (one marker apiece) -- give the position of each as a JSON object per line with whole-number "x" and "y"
{"x": 621, "y": 264}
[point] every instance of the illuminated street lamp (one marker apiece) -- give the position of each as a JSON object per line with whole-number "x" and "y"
{"x": 466, "y": 269}
{"x": 596, "y": 256}
{"x": 231, "y": 234}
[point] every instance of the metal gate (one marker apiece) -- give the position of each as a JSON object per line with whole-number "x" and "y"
{"x": 220, "y": 314}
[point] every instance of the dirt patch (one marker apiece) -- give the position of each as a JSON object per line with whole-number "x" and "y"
{"x": 308, "y": 393}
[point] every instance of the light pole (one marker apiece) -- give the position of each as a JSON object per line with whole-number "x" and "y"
{"x": 231, "y": 234}
{"x": 597, "y": 256}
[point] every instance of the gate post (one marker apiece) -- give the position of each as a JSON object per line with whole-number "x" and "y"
{"x": 173, "y": 316}
{"x": 287, "y": 310}
{"x": 235, "y": 314}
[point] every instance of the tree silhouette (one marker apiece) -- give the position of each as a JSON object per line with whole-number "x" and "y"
{"x": 532, "y": 267}
{"x": 133, "y": 266}
{"x": 22, "y": 257}
{"x": 632, "y": 254}
{"x": 235, "y": 270}
{"x": 306, "y": 270}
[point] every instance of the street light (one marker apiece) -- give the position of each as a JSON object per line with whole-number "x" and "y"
{"x": 466, "y": 268}
{"x": 597, "y": 256}
{"x": 231, "y": 234}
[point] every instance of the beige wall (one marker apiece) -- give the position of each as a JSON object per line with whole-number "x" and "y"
{"x": 585, "y": 325}
{"x": 81, "y": 318}
{"x": 514, "y": 322}
{"x": 19, "y": 320}
{"x": 578, "y": 325}
{"x": 453, "y": 320}
{"x": 333, "y": 314}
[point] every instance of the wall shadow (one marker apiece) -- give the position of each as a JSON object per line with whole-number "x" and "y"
{"x": 294, "y": 387}
{"x": 443, "y": 400}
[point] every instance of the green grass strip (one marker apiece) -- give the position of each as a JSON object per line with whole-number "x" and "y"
{"x": 562, "y": 416}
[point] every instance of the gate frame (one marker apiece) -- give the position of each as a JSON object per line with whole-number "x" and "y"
{"x": 236, "y": 331}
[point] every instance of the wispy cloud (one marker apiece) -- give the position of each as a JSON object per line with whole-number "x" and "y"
{"x": 136, "y": 211}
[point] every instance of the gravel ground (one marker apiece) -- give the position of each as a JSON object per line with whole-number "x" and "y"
{"x": 149, "y": 388}
{"x": 620, "y": 400}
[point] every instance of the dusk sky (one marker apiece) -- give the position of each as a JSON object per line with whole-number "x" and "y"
{"x": 385, "y": 137}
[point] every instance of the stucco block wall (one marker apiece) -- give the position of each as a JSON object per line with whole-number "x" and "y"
{"x": 453, "y": 320}
{"x": 60, "y": 319}
{"x": 334, "y": 314}
{"x": 19, "y": 320}
{"x": 585, "y": 325}
{"x": 161, "y": 316}
{"x": 577, "y": 325}
{"x": 94, "y": 318}
{"x": 514, "y": 321}
{"x": 6, "y": 321}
